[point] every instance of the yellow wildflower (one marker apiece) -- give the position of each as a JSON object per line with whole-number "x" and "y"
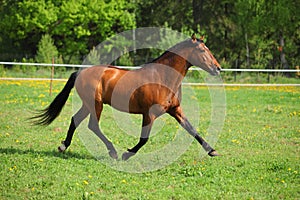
{"x": 85, "y": 182}
{"x": 41, "y": 96}
{"x": 123, "y": 181}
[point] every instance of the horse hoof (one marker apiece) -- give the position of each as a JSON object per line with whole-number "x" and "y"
{"x": 113, "y": 154}
{"x": 63, "y": 147}
{"x": 127, "y": 155}
{"x": 213, "y": 153}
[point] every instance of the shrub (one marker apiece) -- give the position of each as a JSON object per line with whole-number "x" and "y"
{"x": 2, "y": 71}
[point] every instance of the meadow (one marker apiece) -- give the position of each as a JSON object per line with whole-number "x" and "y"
{"x": 259, "y": 144}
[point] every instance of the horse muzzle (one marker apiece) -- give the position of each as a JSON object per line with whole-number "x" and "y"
{"x": 215, "y": 70}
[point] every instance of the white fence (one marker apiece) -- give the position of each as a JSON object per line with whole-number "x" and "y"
{"x": 133, "y": 67}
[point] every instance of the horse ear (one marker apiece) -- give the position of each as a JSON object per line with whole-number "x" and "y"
{"x": 194, "y": 39}
{"x": 202, "y": 38}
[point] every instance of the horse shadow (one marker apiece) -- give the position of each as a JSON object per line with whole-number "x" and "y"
{"x": 46, "y": 153}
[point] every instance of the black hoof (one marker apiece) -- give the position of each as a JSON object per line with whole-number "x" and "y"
{"x": 213, "y": 153}
{"x": 127, "y": 155}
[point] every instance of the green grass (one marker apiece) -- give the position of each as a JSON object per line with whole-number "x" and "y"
{"x": 259, "y": 143}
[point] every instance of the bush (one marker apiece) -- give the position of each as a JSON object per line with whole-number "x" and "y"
{"x": 2, "y": 71}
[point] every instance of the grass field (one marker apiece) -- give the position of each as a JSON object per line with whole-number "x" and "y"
{"x": 259, "y": 143}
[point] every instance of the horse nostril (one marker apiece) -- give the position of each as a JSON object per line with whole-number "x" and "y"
{"x": 219, "y": 68}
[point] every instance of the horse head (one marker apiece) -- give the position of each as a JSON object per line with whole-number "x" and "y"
{"x": 201, "y": 56}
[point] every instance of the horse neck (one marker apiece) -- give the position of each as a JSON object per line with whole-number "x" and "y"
{"x": 171, "y": 68}
{"x": 175, "y": 62}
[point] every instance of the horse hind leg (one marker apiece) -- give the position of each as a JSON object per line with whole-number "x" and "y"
{"x": 81, "y": 114}
{"x": 94, "y": 126}
{"x": 146, "y": 128}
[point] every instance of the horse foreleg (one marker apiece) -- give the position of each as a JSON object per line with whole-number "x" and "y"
{"x": 184, "y": 122}
{"x": 191, "y": 130}
{"x": 146, "y": 128}
{"x": 75, "y": 121}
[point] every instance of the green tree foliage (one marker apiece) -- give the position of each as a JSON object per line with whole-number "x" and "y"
{"x": 75, "y": 25}
{"x": 175, "y": 14}
{"x": 24, "y": 22}
{"x": 266, "y": 23}
{"x": 256, "y": 33}
{"x": 235, "y": 30}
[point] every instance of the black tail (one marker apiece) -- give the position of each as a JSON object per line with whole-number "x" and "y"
{"x": 48, "y": 115}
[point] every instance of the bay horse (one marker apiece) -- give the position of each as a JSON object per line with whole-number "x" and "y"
{"x": 152, "y": 90}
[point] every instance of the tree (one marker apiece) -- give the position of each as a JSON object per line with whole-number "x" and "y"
{"x": 93, "y": 58}
{"x": 24, "y": 22}
{"x": 83, "y": 24}
{"x": 251, "y": 30}
{"x": 267, "y": 24}
{"x": 76, "y": 25}
{"x": 46, "y": 50}
{"x": 176, "y": 14}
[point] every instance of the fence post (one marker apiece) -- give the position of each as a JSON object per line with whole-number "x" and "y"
{"x": 236, "y": 66}
{"x": 51, "y": 78}
{"x": 298, "y": 73}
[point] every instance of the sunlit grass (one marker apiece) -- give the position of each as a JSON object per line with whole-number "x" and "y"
{"x": 259, "y": 143}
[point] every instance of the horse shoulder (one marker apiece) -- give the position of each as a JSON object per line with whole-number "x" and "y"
{"x": 110, "y": 82}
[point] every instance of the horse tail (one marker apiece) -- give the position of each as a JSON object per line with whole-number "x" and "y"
{"x": 48, "y": 115}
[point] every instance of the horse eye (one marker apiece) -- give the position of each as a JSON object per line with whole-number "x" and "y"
{"x": 198, "y": 47}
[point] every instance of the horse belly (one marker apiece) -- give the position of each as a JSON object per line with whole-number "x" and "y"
{"x": 137, "y": 100}
{"x": 123, "y": 100}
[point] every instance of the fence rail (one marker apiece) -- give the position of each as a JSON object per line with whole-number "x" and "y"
{"x": 136, "y": 67}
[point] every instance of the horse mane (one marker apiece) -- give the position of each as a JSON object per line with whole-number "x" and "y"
{"x": 159, "y": 57}
{"x": 175, "y": 48}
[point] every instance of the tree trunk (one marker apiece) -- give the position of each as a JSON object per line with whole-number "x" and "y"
{"x": 198, "y": 13}
{"x": 247, "y": 50}
{"x": 283, "y": 60}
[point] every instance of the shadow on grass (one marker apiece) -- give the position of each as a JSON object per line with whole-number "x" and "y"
{"x": 65, "y": 155}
